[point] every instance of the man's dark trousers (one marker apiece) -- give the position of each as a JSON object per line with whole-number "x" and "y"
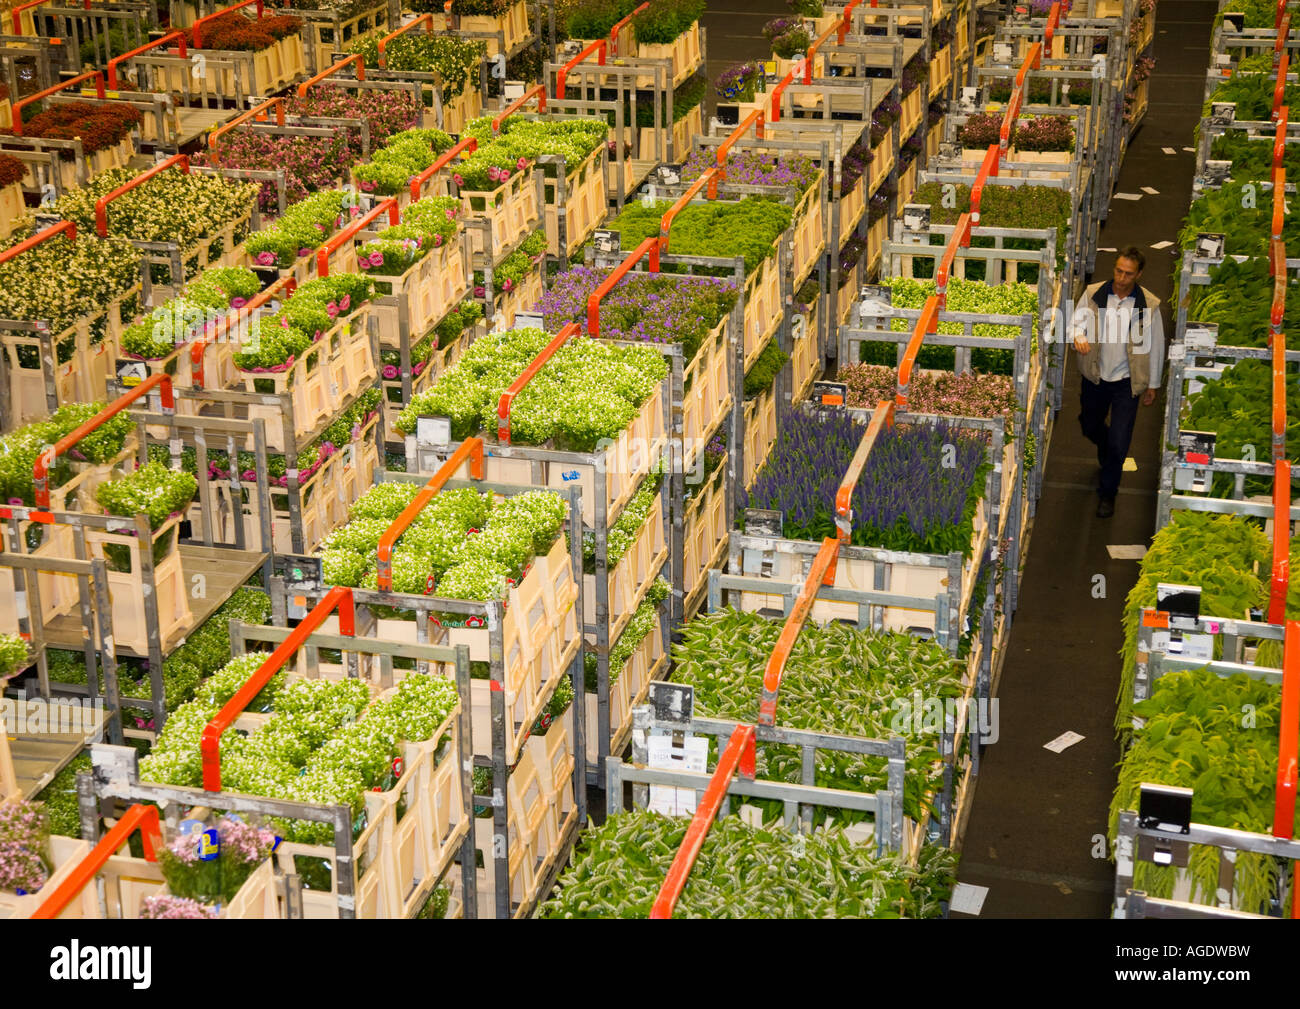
{"x": 1096, "y": 399}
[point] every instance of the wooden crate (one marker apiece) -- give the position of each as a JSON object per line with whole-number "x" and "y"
{"x": 684, "y": 130}
{"x": 806, "y": 363}
{"x": 763, "y": 306}
{"x": 851, "y": 206}
{"x": 12, "y": 207}
{"x": 348, "y": 30}
{"x": 709, "y": 395}
{"x": 539, "y": 635}
{"x": 539, "y": 807}
{"x": 324, "y": 499}
{"x": 460, "y": 110}
{"x": 760, "y": 432}
{"x": 907, "y": 182}
{"x": 809, "y": 224}
{"x": 634, "y": 569}
{"x": 914, "y": 108}
{"x": 584, "y": 205}
{"x": 336, "y": 367}
{"x": 933, "y": 138}
{"x": 430, "y": 288}
{"x": 940, "y": 70}
{"x": 684, "y": 51}
{"x": 170, "y": 590}
{"x": 9, "y": 790}
{"x": 6, "y": 114}
{"x": 523, "y": 298}
{"x": 882, "y": 161}
{"x": 117, "y": 156}
{"x": 511, "y": 208}
{"x": 626, "y": 461}
{"x": 876, "y": 236}
{"x": 627, "y": 691}
{"x": 513, "y": 24}
{"x": 81, "y": 379}
{"x": 707, "y": 525}
{"x": 396, "y": 857}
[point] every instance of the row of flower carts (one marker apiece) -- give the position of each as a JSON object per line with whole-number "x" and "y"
{"x": 512, "y": 411}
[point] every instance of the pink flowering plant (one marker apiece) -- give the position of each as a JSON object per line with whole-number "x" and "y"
{"x": 24, "y": 829}
{"x": 654, "y": 308}
{"x": 315, "y": 163}
{"x": 934, "y": 392}
{"x": 300, "y": 230}
{"x": 312, "y": 311}
{"x": 164, "y": 907}
{"x": 241, "y": 849}
{"x": 429, "y": 224}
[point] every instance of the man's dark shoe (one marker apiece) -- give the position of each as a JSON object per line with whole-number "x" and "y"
{"x": 1105, "y": 508}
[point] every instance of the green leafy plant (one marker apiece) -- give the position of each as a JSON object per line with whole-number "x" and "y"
{"x": 748, "y": 228}
{"x": 14, "y": 654}
{"x": 455, "y": 59}
{"x": 665, "y": 20}
{"x": 762, "y": 373}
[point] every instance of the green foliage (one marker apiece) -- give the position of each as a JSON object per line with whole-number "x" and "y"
{"x": 724, "y": 656}
{"x": 724, "y": 230}
{"x": 13, "y": 654}
{"x": 60, "y": 797}
{"x": 762, "y": 373}
{"x": 745, "y": 872}
{"x": 1238, "y": 298}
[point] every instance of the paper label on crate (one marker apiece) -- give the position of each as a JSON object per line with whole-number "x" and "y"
{"x": 916, "y": 217}
{"x": 431, "y": 431}
{"x": 672, "y": 703}
{"x": 1201, "y": 337}
{"x": 20, "y": 603}
{"x": 1209, "y": 245}
{"x": 968, "y": 898}
{"x": 130, "y": 373}
{"x": 1063, "y": 741}
{"x": 1223, "y": 113}
{"x": 1001, "y": 52}
{"x": 875, "y": 306}
{"x": 693, "y": 755}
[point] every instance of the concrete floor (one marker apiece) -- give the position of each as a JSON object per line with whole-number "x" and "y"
{"x": 1033, "y": 831}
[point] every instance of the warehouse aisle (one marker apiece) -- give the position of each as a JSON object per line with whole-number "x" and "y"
{"x": 1033, "y": 834}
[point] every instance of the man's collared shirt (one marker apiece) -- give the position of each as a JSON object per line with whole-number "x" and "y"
{"x": 1110, "y": 335}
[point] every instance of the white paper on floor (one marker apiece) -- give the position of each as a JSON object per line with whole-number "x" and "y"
{"x": 1150, "y": 192}
{"x": 1127, "y": 196}
{"x": 1064, "y": 740}
{"x": 1169, "y": 150}
{"x": 1126, "y": 551}
{"x": 1190, "y": 150}
{"x": 967, "y": 898}
{"x": 1129, "y": 465}
{"x": 1107, "y": 250}
{"x": 1161, "y": 245}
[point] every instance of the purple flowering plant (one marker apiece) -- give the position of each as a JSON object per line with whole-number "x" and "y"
{"x": 653, "y": 308}
{"x": 751, "y": 168}
{"x": 166, "y": 907}
{"x": 24, "y": 828}
{"x": 907, "y": 499}
{"x": 737, "y": 83}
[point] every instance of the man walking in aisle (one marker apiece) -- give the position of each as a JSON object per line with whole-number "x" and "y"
{"x": 1120, "y": 341}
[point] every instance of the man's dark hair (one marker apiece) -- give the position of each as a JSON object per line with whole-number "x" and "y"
{"x": 1134, "y": 253}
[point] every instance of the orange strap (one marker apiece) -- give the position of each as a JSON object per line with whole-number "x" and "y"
{"x": 138, "y": 817}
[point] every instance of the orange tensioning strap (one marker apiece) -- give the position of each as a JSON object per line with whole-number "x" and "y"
{"x": 847, "y": 20}
{"x": 418, "y": 183}
{"x": 620, "y": 25}
{"x": 1288, "y": 737}
{"x": 41, "y": 467}
{"x": 738, "y": 755}
{"x": 778, "y": 90}
{"x": 960, "y": 239}
{"x": 14, "y": 251}
{"x": 139, "y": 816}
{"x": 821, "y": 573}
{"x": 1053, "y": 20}
{"x": 354, "y": 58}
{"x": 423, "y": 19}
{"x": 537, "y": 91}
{"x": 198, "y": 44}
{"x": 178, "y": 37}
{"x": 881, "y": 417}
{"x": 18, "y": 105}
{"x": 1283, "y": 29}
{"x": 650, "y": 247}
{"x": 1278, "y": 341}
{"x": 338, "y": 598}
{"x": 1279, "y": 204}
{"x": 812, "y": 52}
{"x": 1279, "y": 137}
{"x": 199, "y": 346}
{"x": 1279, "y": 90}
{"x": 756, "y": 118}
{"x": 518, "y": 385}
{"x": 471, "y": 449}
{"x": 926, "y": 324}
{"x": 988, "y": 169}
{"x": 1281, "y": 542}
{"x": 600, "y": 45}
{"x": 101, "y": 205}
{"x": 1277, "y": 270}
{"x": 347, "y": 234}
